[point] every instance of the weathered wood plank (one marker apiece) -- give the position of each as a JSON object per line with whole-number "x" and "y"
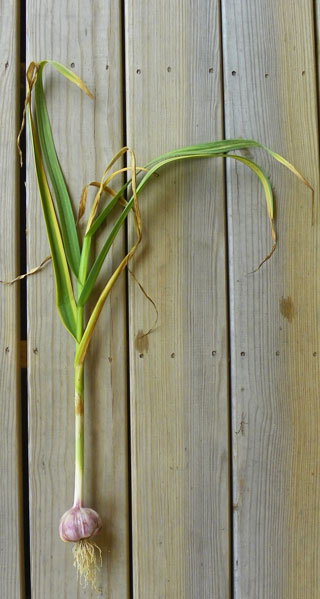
{"x": 87, "y": 37}
{"x": 11, "y": 539}
{"x": 179, "y": 392}
{"x": 270, "y": 95}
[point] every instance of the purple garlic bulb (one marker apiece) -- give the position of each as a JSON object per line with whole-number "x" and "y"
{"x": 79, "y": 523}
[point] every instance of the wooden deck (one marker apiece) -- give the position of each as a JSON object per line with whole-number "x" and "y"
{"x": 202, "y": 440}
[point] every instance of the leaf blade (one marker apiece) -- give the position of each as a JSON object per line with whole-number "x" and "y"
{"x": 70, "y": 75}
{"x": 64, "y": 295}
{"x": 97, "y": 265}
{"x": 52, "y": 167}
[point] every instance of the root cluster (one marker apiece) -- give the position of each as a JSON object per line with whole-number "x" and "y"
{"x": 85, "y": 561}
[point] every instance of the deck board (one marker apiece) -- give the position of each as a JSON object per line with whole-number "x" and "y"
{"x": 86, "y": 37}
{"x": 11, "y": 537}
{"x": 178, "y": 373}
{"x": 270, "y": 95}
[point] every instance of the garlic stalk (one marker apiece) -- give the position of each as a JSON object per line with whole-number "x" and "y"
{"x": 79, "y": 524}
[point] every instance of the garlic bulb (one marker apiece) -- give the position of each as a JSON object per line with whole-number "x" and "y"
{"x": 79, "y": 523}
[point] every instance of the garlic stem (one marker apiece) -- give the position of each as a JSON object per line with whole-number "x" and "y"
{"x": 79, "y": 436}
{"x": 79, "y": 415}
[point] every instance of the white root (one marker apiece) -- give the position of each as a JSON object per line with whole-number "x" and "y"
{"x": 85, "y": 561}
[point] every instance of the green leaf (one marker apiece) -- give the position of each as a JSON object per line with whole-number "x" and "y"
{"x": 64, "y": 295}
{"x": 206, "y": 150}
{"x": 53, "y": 170}
{"x": 95, "y": 270}
{"x": 69, "y": 75}
{"x": 99, "y": 220}
{"x": 97, "y": 265}
{"x": 263, "y": 178}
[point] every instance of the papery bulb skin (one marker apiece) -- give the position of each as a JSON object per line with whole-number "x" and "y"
{"x": 79, "y": 523}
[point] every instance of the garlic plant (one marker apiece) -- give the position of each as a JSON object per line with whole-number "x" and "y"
{"x": 70, "y": 258}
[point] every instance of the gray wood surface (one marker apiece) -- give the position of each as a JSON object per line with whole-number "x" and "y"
{"x": 11, "y": 566}
{"x": 270, "y": 95}
{"x": 85, "y": 36}
{"x": 178, "y": 373}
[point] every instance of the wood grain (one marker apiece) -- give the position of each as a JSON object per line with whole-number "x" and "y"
{"x": 87, "y": 37}
{"x": 178, "y": 373}
{"x": 270, "y": 95}
{"x": 11, "y": 538}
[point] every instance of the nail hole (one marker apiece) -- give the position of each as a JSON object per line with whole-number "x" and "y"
{"x": 242, "y": 389}
{"x": 277, "y": 353}
{"x": 107, "y": 67}
{"x": 35, "y": 351}
{"x": 110, "y": 359}
{"x": 72, "y": 65}
{"x": 243, "y": 353}
{"x": 314, "y": 354}
{"x": 214, "y": 352}
{"x": 138, "y": 71}
{"x": 7, "y": 350}
{"x": 211, "y": 70}
{"x": 141, "y": 355}
{"x": 169, "y": 69}
{"x": 234, "y": 73}
{"x": 6, "y": 65}
{"x": 173, "y": 355}
{"x": 266, "y": 75}
{"x": 303, "y": 73}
